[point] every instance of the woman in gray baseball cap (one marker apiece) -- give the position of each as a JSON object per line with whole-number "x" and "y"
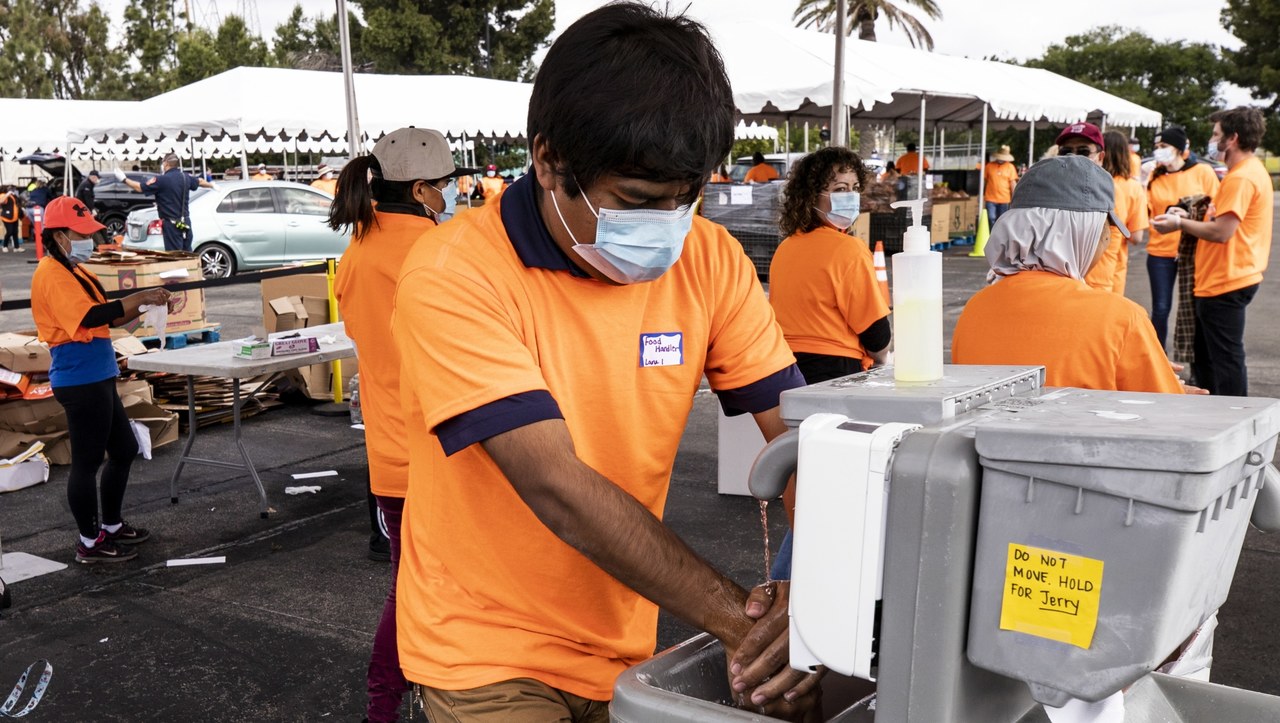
{"x": 1037, "y": 309}
{"x": 410, "y": 176}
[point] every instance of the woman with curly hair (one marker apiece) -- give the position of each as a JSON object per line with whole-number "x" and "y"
{"x": 822, "y": 281}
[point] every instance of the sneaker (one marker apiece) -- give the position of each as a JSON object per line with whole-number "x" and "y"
{"x": 128, "y": 535}
{"x": 103, "y": 551}
{"x": 21, "y": 248}
{"x": 5, "y": 249}
{"x": 379, "y": 548}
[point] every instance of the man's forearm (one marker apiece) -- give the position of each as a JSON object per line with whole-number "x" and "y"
{"x": 616, "y": 532}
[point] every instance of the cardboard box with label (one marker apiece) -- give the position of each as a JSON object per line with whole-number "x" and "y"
{"x": 146, "y": 269}
{"x": 23, "y": 354}
{"x": 297, "y": 302}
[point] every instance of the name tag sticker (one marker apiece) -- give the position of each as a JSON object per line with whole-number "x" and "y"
{"x": 662, "y": 350}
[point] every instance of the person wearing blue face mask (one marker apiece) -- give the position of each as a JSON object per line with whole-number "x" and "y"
{"x": 413, "y": 184}
{"x": 552, "y": 344}
{"x": 822, "y": 281}
{"x": 72, "y": 316}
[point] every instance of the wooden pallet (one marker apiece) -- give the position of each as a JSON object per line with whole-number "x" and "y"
{"x": 180, "y": 339}
{"x": 213, "y": 395}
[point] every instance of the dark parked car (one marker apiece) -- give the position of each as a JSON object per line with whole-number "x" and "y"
{"x": 112, "y": 199}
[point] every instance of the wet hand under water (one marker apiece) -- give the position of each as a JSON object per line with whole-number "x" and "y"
{"x": 759, "y": 671}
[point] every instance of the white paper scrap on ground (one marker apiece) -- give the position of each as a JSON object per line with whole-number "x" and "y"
{"x": 300, "y": 490}
{"x": 1107, "y": 710}
{"x": 357, "y": 426}
{"x": 310, "y": 475}
{"x": 104, "y": 640}
{"x": 184, "y": 561}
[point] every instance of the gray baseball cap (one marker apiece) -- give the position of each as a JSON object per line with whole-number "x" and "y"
{"x": 413, "y": 154}
{"x": 1068, "y": 183}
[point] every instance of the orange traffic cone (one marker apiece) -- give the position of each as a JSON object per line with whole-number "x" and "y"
{"x": 882, "y": 274}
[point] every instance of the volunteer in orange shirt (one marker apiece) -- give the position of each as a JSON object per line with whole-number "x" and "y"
{"x": 327, "y": 181}
{"x": 760, "y": 172}
{"x": 551, "y": 347}
{"x": 1135, "y": 159}
{"x": 73, "y": 317}
{"x": 721, "y": 175}
{"x": 262, "y": 174}
{"x": 1000, "y": 178}
{"x": 1037, "y": 308}
{"x": 1130, "y": 207}
{"x": 1177, "y": 175}
{"x": 413, "y": 186}
{"x": 491, "y": 184}
{"x": 1232, "y": 254}
{"x": 909, "y": 163}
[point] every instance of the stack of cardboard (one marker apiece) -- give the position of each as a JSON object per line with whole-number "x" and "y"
{"x": 214, "y": 397}
{"x": 296, "y": 302}
{"x": 29, "y": 414}
{"x": 143, "y": 269}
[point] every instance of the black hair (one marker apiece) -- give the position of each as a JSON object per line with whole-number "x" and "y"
{"x": 911, "y": 147}
{"x": 757, "y": 158}
{"x": 353, "y": 203}
{"x": 810, "y": 177}
{"x": 88, "y": 283}
{"x": 1247, "y": 124}
{"x": 629, "y": 90}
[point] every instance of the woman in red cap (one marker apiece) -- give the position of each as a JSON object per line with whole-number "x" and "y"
{"x": 72, "y": 314}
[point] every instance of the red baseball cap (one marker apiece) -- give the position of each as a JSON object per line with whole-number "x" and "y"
{"x": 1087, "y": 131}
{"x": 70, "y": 212}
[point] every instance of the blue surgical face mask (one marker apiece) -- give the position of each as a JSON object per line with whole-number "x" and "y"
{"x": 845, "y": 207}
{"x": 450, "y": 196}
{"x": 633, "y": 246}
{"x": 1212, "y": 152}
{"x": 81, "y": 250}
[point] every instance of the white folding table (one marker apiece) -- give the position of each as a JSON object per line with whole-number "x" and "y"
{"x": 216, "y": 360}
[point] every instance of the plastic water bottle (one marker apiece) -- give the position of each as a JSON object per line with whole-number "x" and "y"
{"x": 353, "y": 394}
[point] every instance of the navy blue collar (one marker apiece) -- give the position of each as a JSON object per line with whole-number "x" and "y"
{"x": 529, "y": 235}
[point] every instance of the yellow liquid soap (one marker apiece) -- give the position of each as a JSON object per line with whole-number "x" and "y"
{"x": 917, "y": 333}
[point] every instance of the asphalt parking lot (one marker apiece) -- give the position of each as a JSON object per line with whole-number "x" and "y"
{"x": 282, "y": 630}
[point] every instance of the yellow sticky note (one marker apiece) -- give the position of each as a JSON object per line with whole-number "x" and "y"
{"x": 1051, "y": 594}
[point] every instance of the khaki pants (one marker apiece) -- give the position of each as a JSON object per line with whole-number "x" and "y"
{"x": 522, "y": 700}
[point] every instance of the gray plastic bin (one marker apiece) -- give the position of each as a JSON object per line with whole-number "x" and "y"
{"x": 1109, "y": 529}
{"x": 688, "y": 683}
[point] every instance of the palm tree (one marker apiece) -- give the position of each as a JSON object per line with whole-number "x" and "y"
{"x": 862, "y": 14}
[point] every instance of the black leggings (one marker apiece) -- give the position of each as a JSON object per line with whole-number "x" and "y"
{"x": 98, "y": 426}
{"x": 11, "y": 234}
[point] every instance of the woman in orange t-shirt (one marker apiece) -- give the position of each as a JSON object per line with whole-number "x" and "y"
{"x": 822, "y": 281}
{"x": 1130, "y": 207}
{"x": 72, "y": 316}
{"x": 413, "y": 185}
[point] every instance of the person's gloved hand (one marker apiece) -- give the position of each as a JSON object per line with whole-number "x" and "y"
{"x": 119, "y": 175}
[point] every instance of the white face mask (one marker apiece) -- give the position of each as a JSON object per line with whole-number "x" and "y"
{"x": 1165, "y": 155}
{"x": 632, "y": 246}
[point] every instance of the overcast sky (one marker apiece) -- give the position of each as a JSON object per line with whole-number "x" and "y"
{"x": 1017, "y": 29}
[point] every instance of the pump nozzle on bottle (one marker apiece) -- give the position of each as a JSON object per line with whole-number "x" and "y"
{"x": 916, "y": 239}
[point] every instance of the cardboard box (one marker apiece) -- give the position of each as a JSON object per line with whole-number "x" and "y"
{"x": 25, "y": 386}
{"x": 940, "y": 225}
{"x": 186, "y": 308}
{"x": 287, "y": 313}
{"x": 162, "y": 424}
{"x": 285, "y": 346}
{"x": 862, "y": 228}
{"x": 57, "y": 447}
{"x": 251, "y": 349}
{"x": 25, "y": 469}
{"x": 23, "y": 354}
{"x": 313, "y": 292}
{"x": 33, "y": 416}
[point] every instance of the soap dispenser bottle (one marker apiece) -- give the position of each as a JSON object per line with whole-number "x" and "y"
{"x": 917, "y": 303}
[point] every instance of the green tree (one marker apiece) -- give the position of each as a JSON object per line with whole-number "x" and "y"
{"x": 57, "y": 49}
{"x": 1179, "y": 79}
{"x": 312, "y": 42}
{"x": 197, "y": 57}
{"x": 863, "y": 14}
{"x": 151, "y": 39}
{"x": 1256, "y": 65}
{"x": 494, "y": 38}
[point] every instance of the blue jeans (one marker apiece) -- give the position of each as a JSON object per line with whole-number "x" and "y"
{"x": 781, "y": 569}
{"x": 995, "y": 210}
{"x": 1163, "y": 272}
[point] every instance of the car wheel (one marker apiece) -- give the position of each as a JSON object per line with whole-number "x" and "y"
{"x": 217, "y": 261}
{"x": 115, "y": 227}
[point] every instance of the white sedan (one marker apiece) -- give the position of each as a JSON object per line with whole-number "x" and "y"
{"x": 243, "y": 225}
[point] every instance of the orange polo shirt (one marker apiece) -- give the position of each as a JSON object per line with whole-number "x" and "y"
{"x": 998, "y": 184}
{"x": 1166, "y": 190}
{"x": 1131, "y": 206}
{"x": 366, "y": 291}
{"x": 492, "y": 186}
{"x": 823, "y": 288}
{"x": 760, "y": 173}
{"x": 1224, "y": 267}
{"x": 59, "y": 303}
{"x": 1084, "y": 337}
{"x": 485, "y": 591}
{"x": 909, "y": 163}
{"x": 328, "y": 185}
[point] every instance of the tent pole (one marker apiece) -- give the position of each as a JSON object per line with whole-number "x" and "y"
{"x": 244, "y": 158}
{"x": 353, "y": 120}
{"x": 787, "y": 144}
{"x": 942, "y": 148}
{"x": 1031, "y": 143}
{"x": 1104, "y": 123}
{"x": 982, "y": 164}
{"x": 920, "y": 158}
{"x": 839, "y": 131}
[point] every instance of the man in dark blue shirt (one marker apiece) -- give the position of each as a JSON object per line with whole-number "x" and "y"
{"x": 39, "y": 194}
{"x": 172, "y": 189}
